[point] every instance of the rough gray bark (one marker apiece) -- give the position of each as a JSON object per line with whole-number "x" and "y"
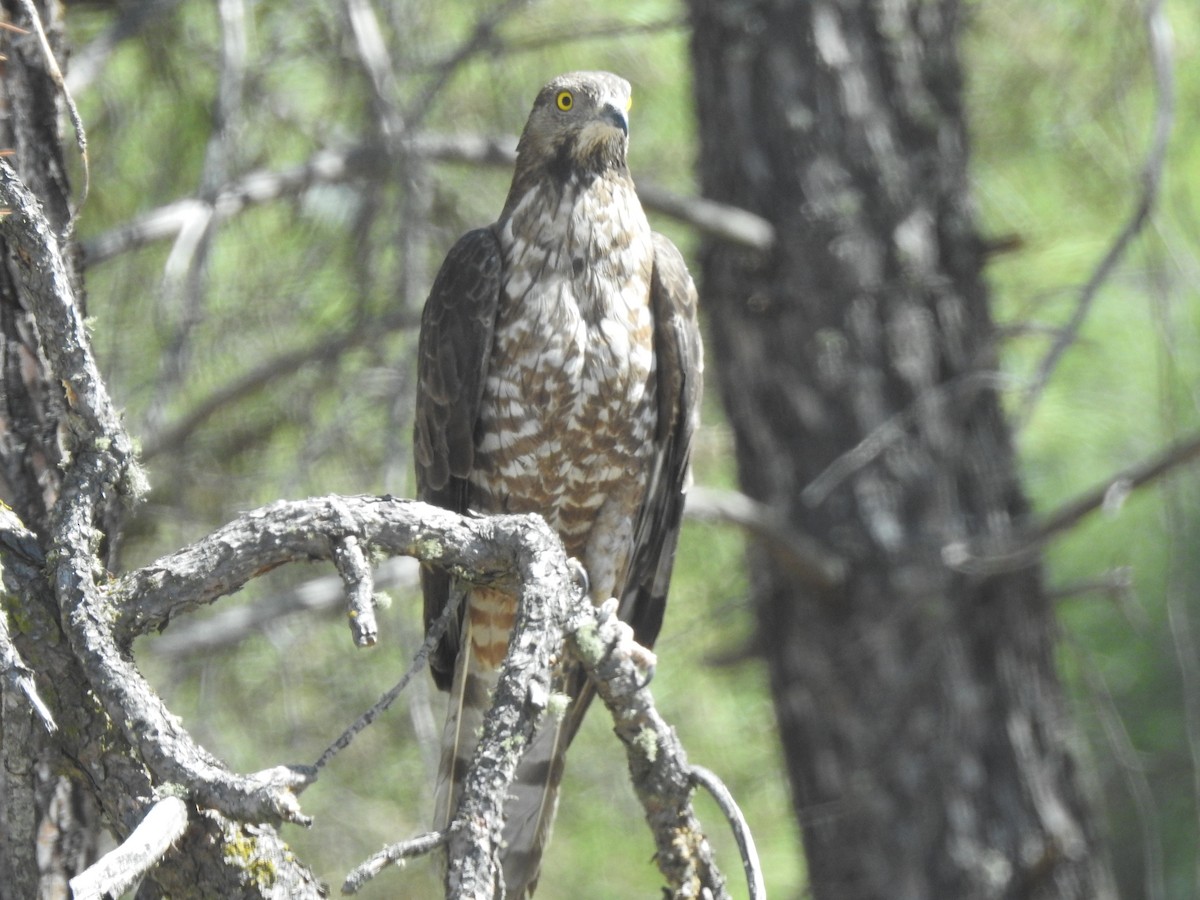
{"x": 924, "y": 725}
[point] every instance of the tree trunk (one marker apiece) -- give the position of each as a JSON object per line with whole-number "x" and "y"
{"x": 922, "y": 716}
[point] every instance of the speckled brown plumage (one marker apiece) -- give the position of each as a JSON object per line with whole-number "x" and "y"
{"x": 559, "y": 373}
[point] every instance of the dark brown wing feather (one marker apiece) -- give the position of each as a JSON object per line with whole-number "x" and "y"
{"x": 680, "y": 363}
{"x": 452, "y": 358}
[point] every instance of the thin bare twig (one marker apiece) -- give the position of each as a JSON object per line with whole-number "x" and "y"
{"x": 185, "y": 271}
{"x": 804, "y": 555}
{"x": 174, "y": 435}
{"x": 1117, "y": 486}
{"x": 617, "y": 29}
{"x": 377, "y": 65}
{"x": 89, "y": 61}
{"x": 1134, "y": 772}
{"x": 19, "y": 676}
{"x": 482, "y": 36}
{"x": 1023, "y": 549}
{"x": 1116, "y": 582}
{"x": 434, "y": 634}
{"x": 420, "y": 845}
{"x": 1177, "y": 507}
{"x": 961, "y": 389}
{"x": 741, "y": 829}
{"x": 1158, "y": 31}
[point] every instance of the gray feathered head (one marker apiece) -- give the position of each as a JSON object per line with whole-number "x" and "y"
{"x": 578, "y": 126}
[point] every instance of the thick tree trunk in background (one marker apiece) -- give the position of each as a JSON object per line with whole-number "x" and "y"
{"x": 922, "y": 716}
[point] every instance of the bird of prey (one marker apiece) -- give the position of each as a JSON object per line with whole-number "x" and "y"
{"x": 559, "y": 373}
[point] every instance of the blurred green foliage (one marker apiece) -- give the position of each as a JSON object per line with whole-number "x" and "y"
{"x": 1060, "y": 100}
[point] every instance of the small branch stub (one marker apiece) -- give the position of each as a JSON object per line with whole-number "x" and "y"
{"x": 356, "y": 574}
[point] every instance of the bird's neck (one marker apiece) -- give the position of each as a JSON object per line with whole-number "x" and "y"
{"x": 555, "y": 217}
{"x": 582, "y": 245}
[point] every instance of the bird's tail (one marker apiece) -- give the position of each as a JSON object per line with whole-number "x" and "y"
{"x": 533, "y": 795}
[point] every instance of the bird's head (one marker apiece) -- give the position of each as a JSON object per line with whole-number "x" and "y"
{"x": 579, "y": 126}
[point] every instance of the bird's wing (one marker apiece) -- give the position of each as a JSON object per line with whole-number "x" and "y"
{"x": 680, "y": 363}
{"x": 452, "y": 359}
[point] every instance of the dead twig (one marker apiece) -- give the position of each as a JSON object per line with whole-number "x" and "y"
{"x": 436, "y": 630}
{"x": 741, "y": 829}
{"x": 420, "y": 845}
{"x": 1158, "y": 32}
{"x": 982, "y": 557}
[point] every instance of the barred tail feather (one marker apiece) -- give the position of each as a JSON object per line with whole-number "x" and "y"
{"x": 532, "y": 803}
{"x": 470, "y": 697}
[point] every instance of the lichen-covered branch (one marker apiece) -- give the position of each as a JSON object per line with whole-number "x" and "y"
{"x": 658, "y": 765}
{"x": 45, "y": 282}
{"x": 56, "y": 607}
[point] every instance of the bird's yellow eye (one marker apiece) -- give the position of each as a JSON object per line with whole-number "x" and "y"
{"x": 629, "y": 104}
{"x": 564, "y": 101}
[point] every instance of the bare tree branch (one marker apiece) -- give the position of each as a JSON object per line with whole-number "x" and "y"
{"x": 420, "y": 845}
{"x": 18, "y": 678}
{"x": 808, "y": 558}
{"x": 962, "y": 389}
{"x": 1133, "y": 771}
{"x": 617, "y": 29}
{"x": 370, "y": 162}
{"x": 98, "y": 472}
{"x": 482, "y": 36}
{"x": 813, "y": 563}
{"x": 983, "y": 557}
{"x": 1158, "y": 32}
{"x": 56, "y": 76}
{"x": 551, "y": 603}
{"x": 47, "y": 285}
{"x": 89, "y": 61}
{"x": 174, "y": 435}
{"x": 228, "y": 627}
{"x": 662, "y": 778}
{"x": 371, "y": 49}
{"x": 1114, "y": 489}
{"x": 185, "y": 272}
{"x": 436, "y": 630}
{"x": 119, "y": 869}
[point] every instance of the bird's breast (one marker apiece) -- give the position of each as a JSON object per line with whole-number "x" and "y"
{"x": 568, "y": 410}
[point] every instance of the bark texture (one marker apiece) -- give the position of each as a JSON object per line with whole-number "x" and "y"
{"x": 923, "y": 720}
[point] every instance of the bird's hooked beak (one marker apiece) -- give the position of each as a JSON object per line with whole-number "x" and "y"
{"x": 615, "y": 116}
